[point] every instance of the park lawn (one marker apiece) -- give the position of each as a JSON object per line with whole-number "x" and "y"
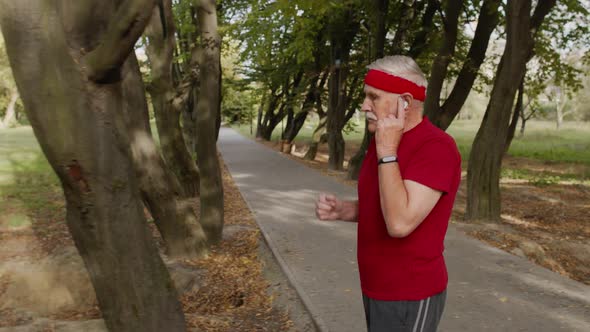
{"x": 29, "y": 189}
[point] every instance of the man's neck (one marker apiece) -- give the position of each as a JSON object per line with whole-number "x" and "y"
{"x": 413, "y": 118}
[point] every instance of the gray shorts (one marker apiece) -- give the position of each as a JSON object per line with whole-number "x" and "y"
{"x": 404, "y": 316}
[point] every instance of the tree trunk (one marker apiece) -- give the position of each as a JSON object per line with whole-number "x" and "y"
{"x": 335, "y": 119}
{"x": 518, "y": 109}
{"x": 294, "y": 90}
{"x": 207, "y": 109}
{"x": 355, "y": 163}
{"x": 160, "y": 52}
{"x": 294, "y": 126}
{"x": 79, "y": 126}
{"x": 189, "y": 120}
{"x": 380, "y": 15}
{"x": 316, "y": 138}
{"x": 483, "y": 175}
{"x": 438, "y": 72}
{"x": 426, "y": 26}
{"x": 160, "y": 191}
{"x": 342, "y": 31}
{"x": 10, "y": 115}
{"x": 271, "y": 120}
{"x": 260, "y": 113}
{"x": 405, "y": 19}
{"x": 442, "y": 117}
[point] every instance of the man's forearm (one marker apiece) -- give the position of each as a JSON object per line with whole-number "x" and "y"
{"x": 393, "y": 198}
{"x": 350, "y": 211}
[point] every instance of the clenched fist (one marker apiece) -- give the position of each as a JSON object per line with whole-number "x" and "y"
{"x": 328, "y": 207}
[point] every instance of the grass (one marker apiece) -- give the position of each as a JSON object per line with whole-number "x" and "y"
{"x": 541, "y": 141}
{"x": 26, "y": 179}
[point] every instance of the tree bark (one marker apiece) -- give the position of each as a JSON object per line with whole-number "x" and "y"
{"x": 271, "y": 119}
{"x": 427, "y": 24}
{"x": 355, "y": 163}
{"x": 207, "y": 108}
{"x": 316, "y": 138}
{"x": 294, "y": 90}
{"x": 10, "y": 114}
{"x": 342, "y": 30}
{"x": 160, "y": 53}
{"x": 103, "y": 63}
{"x": 438, "y": 72}
{"x": 81, "y": 131}
{"x": 293, "y": 127}
{"x": 161, "y": 192}
{"x": 518, "y": 109}
{"x": 380, "y": 14}
{"x": 405, "y": 19}
{"x": 483, "y": 174}
{"x": 444, "y": 115}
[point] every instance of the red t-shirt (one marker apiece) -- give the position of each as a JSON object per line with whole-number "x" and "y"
{"x": 410, "y": 268}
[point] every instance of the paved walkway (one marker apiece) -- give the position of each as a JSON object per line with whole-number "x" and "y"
{"x": 489, "y": 290}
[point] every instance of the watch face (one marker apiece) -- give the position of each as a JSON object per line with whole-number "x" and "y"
{"x": 388, "y": 159}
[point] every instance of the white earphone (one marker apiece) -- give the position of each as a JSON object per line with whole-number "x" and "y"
{"x": 405, "y": 104}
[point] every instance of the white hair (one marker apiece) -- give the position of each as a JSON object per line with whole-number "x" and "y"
{"x": 401, "y": 66}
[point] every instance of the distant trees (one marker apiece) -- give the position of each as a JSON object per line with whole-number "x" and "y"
{"x": 281, "y": 40}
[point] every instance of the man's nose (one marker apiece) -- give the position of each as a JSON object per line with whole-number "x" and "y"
{"x": 365, "y": 107}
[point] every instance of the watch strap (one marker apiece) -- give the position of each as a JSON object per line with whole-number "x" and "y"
{"x": 388, "y": 159}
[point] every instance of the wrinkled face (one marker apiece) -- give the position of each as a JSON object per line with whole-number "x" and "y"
{"x": 377, "y": 105}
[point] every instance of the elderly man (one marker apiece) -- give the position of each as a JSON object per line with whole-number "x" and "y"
{"x": 406, "y": 190}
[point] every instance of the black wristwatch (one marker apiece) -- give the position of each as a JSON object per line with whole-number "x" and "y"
{"x": 388, "y": 159}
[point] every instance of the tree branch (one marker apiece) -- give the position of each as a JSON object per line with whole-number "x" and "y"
{"x": 103, "y": 63}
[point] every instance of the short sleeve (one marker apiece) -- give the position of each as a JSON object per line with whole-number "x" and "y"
{"x": 435, "y": 164}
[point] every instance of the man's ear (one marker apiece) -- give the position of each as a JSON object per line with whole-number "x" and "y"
{"x": 407, "y": 100}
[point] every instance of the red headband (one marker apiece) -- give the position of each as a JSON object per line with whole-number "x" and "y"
{"x": 391, "y": 83}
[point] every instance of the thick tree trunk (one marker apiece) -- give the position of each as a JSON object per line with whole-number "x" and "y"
{"x": 442, "y": 117}
{"x": 160, "y": 190}
{"x": 10, "y": 115}
{"x": 160, "y": 53}
{"x": 207, "y": 109}
{"x": 80, "y": 128}
{"x": 483, "y": 175}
